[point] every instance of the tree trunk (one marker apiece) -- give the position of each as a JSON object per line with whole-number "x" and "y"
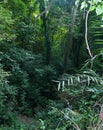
{"x": 68, "y": 49}
{"x": 69, "y": 39}
{"x": 46, "y": 32}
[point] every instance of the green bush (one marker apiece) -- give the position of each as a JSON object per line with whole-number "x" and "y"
{"x": 30, "y": 77}
{"x": 7, "y": 98}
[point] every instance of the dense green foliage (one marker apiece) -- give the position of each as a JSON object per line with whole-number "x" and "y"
{"x": 48, "y": 81}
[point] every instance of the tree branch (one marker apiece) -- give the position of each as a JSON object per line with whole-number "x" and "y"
{"x": 48, "y": 7}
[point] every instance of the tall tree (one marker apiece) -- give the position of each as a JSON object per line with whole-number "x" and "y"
{"x": 69, "y": 38}
{"x": 44, "y": 18}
